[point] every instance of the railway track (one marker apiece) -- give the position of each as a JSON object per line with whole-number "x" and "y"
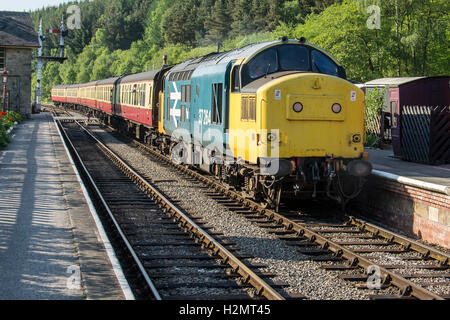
{"x": 167, "y": 254}
{"x": 358, "y": 250}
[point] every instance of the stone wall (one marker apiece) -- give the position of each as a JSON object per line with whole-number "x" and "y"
{"x": 18, "y": 64}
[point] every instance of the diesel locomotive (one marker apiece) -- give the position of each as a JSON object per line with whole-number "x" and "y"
{"x": 273, "y": 120}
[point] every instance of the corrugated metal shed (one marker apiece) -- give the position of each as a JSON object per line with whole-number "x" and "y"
{"x": 391, "y": 82}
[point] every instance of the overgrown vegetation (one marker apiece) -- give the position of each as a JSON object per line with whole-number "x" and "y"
{"x": 7, "y": 120}
{"x": 127, "y": 36}
{"x": 374, "y": 104}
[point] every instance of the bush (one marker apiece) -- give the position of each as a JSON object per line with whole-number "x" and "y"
{"x": 7, "y": 120}
{"x": 371, "y": 140}
{"x": 16, "y": 116}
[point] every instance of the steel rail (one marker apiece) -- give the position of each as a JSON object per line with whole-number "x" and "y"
{"x": 406, "y": 287}
{"x": 423, "y": 249}
{"x": 111, "y": 216}
{"x": 262, "y": 288}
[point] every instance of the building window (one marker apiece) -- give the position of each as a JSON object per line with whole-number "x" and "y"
{"x": 2, "y": 58}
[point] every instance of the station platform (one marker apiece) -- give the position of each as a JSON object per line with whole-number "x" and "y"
{"x": 50, "y": 247}
{"x": 410, "y": 197}
{"x": 384, "y": 160}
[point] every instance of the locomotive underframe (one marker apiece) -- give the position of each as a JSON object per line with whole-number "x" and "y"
{"x": 300, "y": 178}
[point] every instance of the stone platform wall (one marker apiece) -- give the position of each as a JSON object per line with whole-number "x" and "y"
{"x": 420, "y": 214}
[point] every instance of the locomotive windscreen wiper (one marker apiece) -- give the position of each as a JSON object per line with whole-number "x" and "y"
{"x": 317, "y": 67}
{"x": 267, "y": 71}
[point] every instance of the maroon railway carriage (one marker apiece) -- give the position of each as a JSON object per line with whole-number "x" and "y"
{"x": 131, "y": 100}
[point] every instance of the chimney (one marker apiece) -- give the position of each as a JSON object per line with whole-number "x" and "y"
{"x": 164, "y": 60}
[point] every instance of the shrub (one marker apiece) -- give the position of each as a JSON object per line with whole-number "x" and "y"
{"x": 371, "y": 140}
{"x": 7, "y": 120}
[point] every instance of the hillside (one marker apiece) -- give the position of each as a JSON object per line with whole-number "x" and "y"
{"x": 127, "y": 36}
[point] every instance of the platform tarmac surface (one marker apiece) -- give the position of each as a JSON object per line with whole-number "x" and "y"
{"x": 48, "y": 237}
{"x": 383, "y": 160}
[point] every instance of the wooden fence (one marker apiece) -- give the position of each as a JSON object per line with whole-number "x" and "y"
{"x": 425, "y": 134}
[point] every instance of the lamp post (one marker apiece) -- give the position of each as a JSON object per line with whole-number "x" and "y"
{"x": 4, "y": 82}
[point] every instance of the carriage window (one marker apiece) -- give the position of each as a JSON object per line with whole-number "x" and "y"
{"x": 143, "y": 87}
{"x": 150, "y": 96}
{"x": 265, "y": 62}
{"x": 294, "y": 58}
{"x": 322, "y": 64}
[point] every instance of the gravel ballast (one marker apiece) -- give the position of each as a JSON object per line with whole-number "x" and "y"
{"x": 302, "y": 275}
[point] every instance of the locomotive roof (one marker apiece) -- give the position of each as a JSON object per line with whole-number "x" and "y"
{"x": 241, "y": 53}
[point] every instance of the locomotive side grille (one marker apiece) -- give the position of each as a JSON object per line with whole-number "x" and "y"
{"x": 248, "y": 108}
{"x": 244, "y": 108}
{"x": 252, "y": 109}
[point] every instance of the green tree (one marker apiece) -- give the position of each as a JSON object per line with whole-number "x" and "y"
{"x": 243, "y": 22}
{"x": 217, "y": 23}
{"x": 153, "y": 34}
{"x": 290, "y": 13}
{"x": 180, "y": 23}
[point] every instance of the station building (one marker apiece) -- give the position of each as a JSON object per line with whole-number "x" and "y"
{"x": 17, "y": 40}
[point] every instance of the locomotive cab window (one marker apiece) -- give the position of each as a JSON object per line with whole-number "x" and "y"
{"x": 288, "y": 57}
{"x": 294, "y": 58}
{"x": 264, "y": 63}
{"x": 235, "y": 80}
{"x": 216, "y": 103}
{"x": 321, "y": 63}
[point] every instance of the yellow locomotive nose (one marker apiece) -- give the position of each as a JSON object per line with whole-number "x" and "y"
{"x": 317, "y": 116}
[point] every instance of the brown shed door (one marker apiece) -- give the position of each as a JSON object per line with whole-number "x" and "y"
{"x": 396, "y": 127}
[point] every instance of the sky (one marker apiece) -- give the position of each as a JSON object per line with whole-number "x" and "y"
{"x": 27, "y": 5}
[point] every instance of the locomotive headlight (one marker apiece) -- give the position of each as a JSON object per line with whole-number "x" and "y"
{"x": 336, "y": 108}
{"x": 298, "y": 107}
{"x": 271, "y": 137}
{"x": 356, "y": 138}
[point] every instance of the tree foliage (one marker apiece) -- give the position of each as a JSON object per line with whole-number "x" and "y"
{"x": 126, "y": 36}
